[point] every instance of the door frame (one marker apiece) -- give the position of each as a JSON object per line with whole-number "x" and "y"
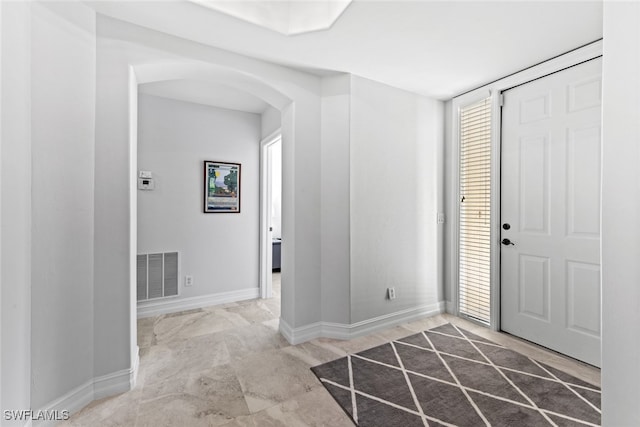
{"x": 266, "y": 248}
{"x": 494, "y": 90}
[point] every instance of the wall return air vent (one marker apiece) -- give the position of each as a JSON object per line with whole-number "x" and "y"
{"x": 157, "y": 275}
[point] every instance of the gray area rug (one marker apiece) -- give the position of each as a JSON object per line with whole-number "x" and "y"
{"x": 448, "y": 376}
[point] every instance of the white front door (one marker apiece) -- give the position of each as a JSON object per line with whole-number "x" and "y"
{"x": 550, "y": 211}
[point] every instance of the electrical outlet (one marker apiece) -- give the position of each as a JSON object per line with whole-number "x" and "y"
{"x": 188, "y": 280}
{"x": 391, "y": 292}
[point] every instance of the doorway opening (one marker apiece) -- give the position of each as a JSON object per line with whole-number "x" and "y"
{"x": 271, "y": 216}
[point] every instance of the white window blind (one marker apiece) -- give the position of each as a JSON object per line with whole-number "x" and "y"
{"x": 475, "y": 209}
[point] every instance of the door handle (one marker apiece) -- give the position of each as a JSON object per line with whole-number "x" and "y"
{"x": 507, "y": 242}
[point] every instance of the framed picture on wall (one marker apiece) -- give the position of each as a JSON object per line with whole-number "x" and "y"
{"x": 221, "y": 187}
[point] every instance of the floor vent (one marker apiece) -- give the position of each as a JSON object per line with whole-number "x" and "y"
{"x": 157, "y": 275}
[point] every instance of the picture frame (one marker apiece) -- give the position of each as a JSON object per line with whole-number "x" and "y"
{"x": 222, "y": 187}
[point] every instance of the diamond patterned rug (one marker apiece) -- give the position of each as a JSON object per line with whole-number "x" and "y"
{"x": 448, "y": 376}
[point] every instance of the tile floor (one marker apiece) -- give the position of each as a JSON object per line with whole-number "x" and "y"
{"x": 228, "y": 365}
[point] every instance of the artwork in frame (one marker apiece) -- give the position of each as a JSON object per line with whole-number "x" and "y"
{"x": 221, "y": 187}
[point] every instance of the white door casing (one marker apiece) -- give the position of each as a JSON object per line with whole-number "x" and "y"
{"x": 550, "y": 197}
{"x": 266, "y": 202}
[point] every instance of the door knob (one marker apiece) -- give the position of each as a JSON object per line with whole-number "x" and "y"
{"x": 506, "y": 226}
{"x": 507, "y": 242}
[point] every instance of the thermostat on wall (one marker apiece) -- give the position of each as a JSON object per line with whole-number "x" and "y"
{"x": 145, "y": 180}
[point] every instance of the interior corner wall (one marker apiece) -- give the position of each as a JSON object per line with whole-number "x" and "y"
{"x": 335, "y": 204}
{"x": 15, "y": 204}
{"x": 62, "y": 115}
{"x": 219, "y": 250}
{"x": 396, "y": 184}
{"x": 620, "y": 244}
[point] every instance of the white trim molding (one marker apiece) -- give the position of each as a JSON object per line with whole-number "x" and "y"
{"x": 345, "y": 331}
{"x": 266, "y": 171}
{"x": 155, "y": 308}
{"x": 97, "y": 388}
{"x": 450, "y": 307}
{"x": 114, "y": 383}
{"x": 133, "y": 379}
{"x": 73, "y": 401}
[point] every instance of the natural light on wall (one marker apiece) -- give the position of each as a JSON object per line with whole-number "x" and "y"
{"x": 475, "y": 208}
{"x": 288, "y": 17}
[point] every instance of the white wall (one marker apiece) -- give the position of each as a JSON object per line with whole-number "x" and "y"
{"x": 620, "y": 213}
{"x": 335, "y": 204}
{"x": 220, "y": 251}
{"x": 15, "y": 203}
{"x": 396, "y": 144}
{"x": 113, "y": 184}
{"x": 48, "y": 81}
{"x": 63, "y": 88}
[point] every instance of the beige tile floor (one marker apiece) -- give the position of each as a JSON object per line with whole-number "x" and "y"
{"x": 228, "y": 365}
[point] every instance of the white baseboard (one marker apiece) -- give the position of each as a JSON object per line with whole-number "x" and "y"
{"x": 73, "y": 401}
{"x": 156, "y": 308}
{"x": 450, "y": 308}
{"x": 349, "y": 331}
{"x": 97, "y": 388}
{"x": 111, "y": 384}
{"x": 133, "y": 379}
